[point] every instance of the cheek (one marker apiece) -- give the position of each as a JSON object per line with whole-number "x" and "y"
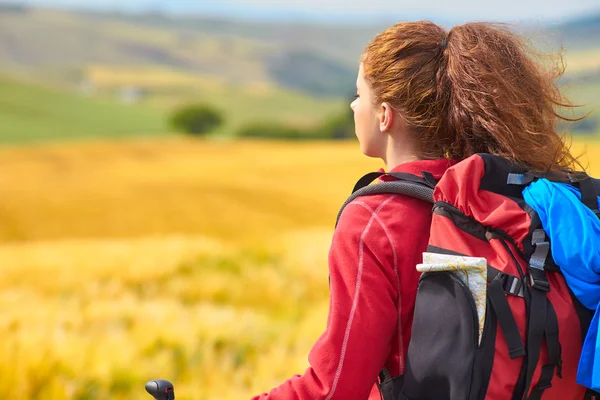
{"x": 364, "y": 120}
{"x": 361, "y": 115}
{"x": 366, "y": 131}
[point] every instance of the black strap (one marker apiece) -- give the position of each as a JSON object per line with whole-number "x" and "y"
{"x": 554, "y": 355}
{"x": 385, "y": 375}
{"x": 371, "y": 176}
{"x": 537, "y": 321}
{"x": 589, "y": 197}
{"x": 505, "y": 318}
{"x": 537, "y": 276}
{"x": 428, "y": 176}
{"x": 390, "y": 388}
{"x": 537, "y": 309}
{"x": 537, "y": 262}
{"x": 412, "y": 189}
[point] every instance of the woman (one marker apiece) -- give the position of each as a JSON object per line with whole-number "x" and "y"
{"x": 425, "y": 100}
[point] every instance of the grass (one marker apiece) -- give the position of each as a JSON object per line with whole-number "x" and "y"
{"x": 201, "y": 262}
{"x": 32, "y": 113}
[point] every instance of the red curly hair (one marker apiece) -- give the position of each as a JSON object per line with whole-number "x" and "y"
{"x": 476, "y": 89}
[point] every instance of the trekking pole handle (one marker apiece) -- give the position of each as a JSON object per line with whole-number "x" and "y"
{"x": 160, "y": 389}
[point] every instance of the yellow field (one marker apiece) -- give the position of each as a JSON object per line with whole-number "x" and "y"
{"x": 204, "y": 263}
{"x": 228, "y": 190}
{"x": 96, "y": 319}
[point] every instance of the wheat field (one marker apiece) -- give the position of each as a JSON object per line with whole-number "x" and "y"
{"x": 199, "y": 262}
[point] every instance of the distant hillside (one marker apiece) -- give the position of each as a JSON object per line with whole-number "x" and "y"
{"x": 319, "y": 59}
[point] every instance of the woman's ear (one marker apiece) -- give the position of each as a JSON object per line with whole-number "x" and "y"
{"x": 387, "y": 117}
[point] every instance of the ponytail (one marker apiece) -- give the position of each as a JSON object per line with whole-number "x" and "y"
{"x": 475, "y": 89}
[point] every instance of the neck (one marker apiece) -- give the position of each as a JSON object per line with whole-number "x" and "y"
{"x": 398, "y": 152}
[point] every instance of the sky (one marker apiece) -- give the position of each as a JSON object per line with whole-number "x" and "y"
{"x": 355, "y": 10}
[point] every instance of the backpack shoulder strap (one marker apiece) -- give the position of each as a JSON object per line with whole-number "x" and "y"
{"x": 406, "y": 184}
{"x": 589, "y": 193}
{"x": 427, "y": 179}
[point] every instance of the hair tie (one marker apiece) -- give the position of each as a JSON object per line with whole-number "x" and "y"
{"x": 444, "y": 43}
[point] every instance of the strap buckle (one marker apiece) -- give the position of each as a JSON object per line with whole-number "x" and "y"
{"x": 537, "y": 262}
{"x": 538, "y": 280}
{"x": 512, "y": 285}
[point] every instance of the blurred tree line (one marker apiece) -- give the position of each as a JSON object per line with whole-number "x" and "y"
{"x": 202, "y": 119}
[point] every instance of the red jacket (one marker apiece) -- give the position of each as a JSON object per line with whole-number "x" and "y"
{"x": 376, "y": 245}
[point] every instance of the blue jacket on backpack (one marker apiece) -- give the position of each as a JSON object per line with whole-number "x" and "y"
{"x": 574, "y": 232}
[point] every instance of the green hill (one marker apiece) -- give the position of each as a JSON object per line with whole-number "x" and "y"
{"x": 31, "y": 113}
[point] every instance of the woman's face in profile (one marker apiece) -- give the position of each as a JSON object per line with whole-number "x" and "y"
{"x": 366, "y": 123}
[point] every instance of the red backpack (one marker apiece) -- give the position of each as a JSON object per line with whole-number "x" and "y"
{"x": 528, "y": 341}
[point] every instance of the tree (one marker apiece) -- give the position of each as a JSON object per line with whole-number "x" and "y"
{"x": 196, "y": 119}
